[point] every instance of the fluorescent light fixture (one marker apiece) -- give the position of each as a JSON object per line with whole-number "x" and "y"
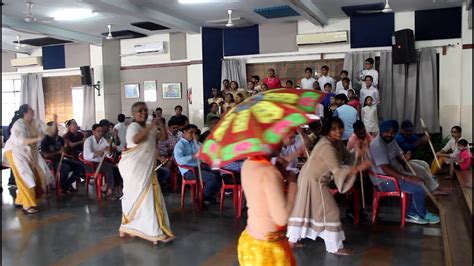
{"x": 71, "y": 14}
{"x": 205, "y": 1}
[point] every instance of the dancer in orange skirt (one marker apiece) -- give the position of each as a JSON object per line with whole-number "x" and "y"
{"x": 263, "y": 242}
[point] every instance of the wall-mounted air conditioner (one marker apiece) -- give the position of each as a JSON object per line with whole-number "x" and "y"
{"x": 147, "y": 48}
{"x": 322, "y": 38}
{"x": 27, "y": 61}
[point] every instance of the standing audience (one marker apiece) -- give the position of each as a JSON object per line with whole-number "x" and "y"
{"x": 325, "y": 78}
{"x": 347, "y": 114}
{"x": 120, "y": 130}
{"x": 308, "y": 80}
{"x": 369, "y": 116}
{"x": 271, "y": 80}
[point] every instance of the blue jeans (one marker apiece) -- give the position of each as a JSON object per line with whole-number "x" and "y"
{"x": 164, "y": 175}
{"x": 211, "y": 182}
{"x": 416, "y": 204}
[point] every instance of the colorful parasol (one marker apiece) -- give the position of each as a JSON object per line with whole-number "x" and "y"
{"x": 257, "y": 125}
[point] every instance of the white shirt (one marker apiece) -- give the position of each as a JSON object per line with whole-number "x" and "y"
{"x": 122, "y": 130}
{"x": 91, "y": 146}
{"x": 364, "y": 92}
{"x": 340, "y": 88}
{"x": 307, "y": 84}
{"x": 375, "y": 77}
{"x": 319, "y": 110}
{"x": 326, "y": 79}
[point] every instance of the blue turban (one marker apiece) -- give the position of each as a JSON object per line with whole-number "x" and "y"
{"x": 388, "y": 124}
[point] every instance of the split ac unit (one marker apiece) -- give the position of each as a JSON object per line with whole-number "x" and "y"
{"x": 322, "y": 38}
{"x": 27, "y": 61}
{"x": 146, "y": 48}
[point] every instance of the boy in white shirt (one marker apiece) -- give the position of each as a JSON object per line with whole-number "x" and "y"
{"x": 120, "y": 128}
{"x": 344, "y": 74}
{"x": 370, "y": 71}
{"x": 256, "y": 81}
{"x": 345, "y": 86}
{"x": 95, "y": 147}
{"x": 369, "y": 90}
{"x": 324, "y": 78}
{"x": 308, "y": 80}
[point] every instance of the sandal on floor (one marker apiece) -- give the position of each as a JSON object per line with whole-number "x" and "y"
{"x": 31, "y": 210}
{"x": 168, "y": 239}
{"x": 297, "y": 245}
{"x": 344, "y": 252}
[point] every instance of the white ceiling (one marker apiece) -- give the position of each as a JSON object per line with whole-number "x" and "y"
{"x": 120, "y": 14}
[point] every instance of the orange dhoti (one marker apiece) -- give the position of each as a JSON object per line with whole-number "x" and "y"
{"x": 275, "y": 251}
{"x": 27, "y": 197}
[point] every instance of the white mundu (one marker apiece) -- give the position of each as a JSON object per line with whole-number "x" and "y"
{"x": 143, "y": 206}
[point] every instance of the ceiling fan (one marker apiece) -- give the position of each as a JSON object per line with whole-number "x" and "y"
{"x": 386, "y": 9}
{"x": 18, "y": 45}
{"x": 109, "y": 36}
{"x": 30, "y": 18}
{"x": 229, "y": 22}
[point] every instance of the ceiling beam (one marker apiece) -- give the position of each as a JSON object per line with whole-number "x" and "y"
{"x": 309, "y": 11}
{"x": 129, "y": 9}
{"x": 39, "y": 28}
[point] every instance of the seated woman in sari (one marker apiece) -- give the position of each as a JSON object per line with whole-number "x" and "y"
{"x": 143, "y": 206}
{"x": 31, "y": 172}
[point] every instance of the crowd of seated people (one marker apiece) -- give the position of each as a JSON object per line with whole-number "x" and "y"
{"x": 388, "y": 142}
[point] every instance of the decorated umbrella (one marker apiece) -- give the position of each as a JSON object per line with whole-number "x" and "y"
{"x": 258, "y": 125}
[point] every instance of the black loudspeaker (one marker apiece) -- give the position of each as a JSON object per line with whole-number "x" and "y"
{"x": 86, "y": 78}
{"x": 403, "y": 47}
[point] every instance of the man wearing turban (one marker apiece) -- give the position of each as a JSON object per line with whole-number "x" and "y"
{"x": 386, "y": 154}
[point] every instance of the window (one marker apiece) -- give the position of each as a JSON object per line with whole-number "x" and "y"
{"x": 77, "y": 103}
{"x": 10, "y": 99}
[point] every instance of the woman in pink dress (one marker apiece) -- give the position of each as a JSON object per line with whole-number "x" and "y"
{"x": 272, "y": 81}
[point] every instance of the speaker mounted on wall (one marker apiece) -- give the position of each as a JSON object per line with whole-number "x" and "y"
{"x": 86, "y": 76}
{"x": 403, "y": 47}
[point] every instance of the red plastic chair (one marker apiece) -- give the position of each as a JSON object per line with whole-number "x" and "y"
{"x": 90, "y": 175}
{"x": 194, "y": 184}
{"x": 56, "y": 179}
{"x": 236, "y": 199}
{"x": 355, "y": 194}
{"x": 397, "y": 193}
{"x": 174, "y": 176}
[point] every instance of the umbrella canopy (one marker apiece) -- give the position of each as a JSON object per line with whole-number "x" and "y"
{"x": 258, "y": 125}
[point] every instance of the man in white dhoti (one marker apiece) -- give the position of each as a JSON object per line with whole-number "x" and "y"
{"x": 143, "y": 206}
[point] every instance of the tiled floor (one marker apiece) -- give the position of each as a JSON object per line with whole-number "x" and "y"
{"x": 73, "y": 230}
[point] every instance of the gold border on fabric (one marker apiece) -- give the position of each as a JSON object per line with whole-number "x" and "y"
{"x": 158, "y": 209}
{"x": 127, "y": 218}
{"x": 140, "y": 234}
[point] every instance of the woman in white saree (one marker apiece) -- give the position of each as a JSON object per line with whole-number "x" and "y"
{"x": 143, "y": 206}
{"x": 22, "y": 156}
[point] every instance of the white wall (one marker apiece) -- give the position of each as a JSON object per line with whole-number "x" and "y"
{"x": 195, "y": 81}
{"x": 466, "y": 79}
